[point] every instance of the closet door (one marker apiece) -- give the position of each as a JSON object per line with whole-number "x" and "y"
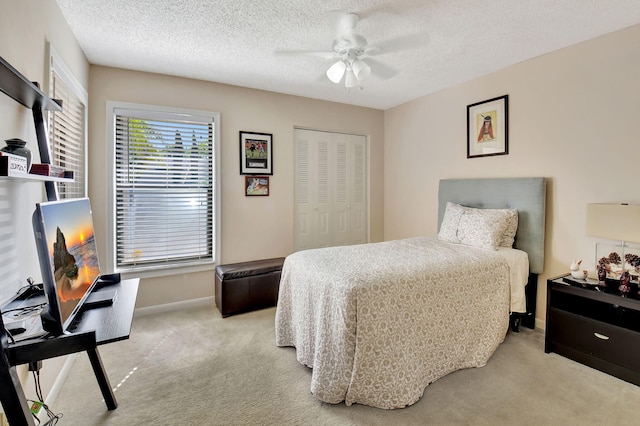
{"x": 330, "y": 189}
{"x": 312, "y": 203}
{"x": 358, "y": 213}
{"x": 341, "y": 223}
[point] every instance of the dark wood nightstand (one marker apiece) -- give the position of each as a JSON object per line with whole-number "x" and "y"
{"x": 594, "y": 326}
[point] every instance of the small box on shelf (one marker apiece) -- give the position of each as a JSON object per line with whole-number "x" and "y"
{"x": 46, "y": 170}
{"x": 51, "y": 171}
{"x": 12, "y": 165}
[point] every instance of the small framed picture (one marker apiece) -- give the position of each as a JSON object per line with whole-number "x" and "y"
{"x": 256, "y": 185}
{"x": 488, "y": 127}
{"x": 256, "y": 153}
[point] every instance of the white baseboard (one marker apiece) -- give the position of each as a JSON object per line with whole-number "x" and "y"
{"x": 175, "y": 306}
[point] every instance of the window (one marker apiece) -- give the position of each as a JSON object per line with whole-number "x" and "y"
{"x": 67, "y": 129}
{"x": 164, "y": 191}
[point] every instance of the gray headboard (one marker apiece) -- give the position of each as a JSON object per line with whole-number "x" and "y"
{"x": 528, "y": 195}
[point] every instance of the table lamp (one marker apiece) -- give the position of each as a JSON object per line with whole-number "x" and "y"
{"x": 615, "y": 222}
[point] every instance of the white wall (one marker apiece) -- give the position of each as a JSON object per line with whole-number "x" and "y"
{"x": 252, "y": 227}
{"x": 573, "y": 118}
{"x": 25, "y": 29}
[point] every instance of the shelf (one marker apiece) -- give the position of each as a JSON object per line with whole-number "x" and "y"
{"x": 28, "y": 94}
{"x": 16, "y": 86}
{"x": 33, "y": 178}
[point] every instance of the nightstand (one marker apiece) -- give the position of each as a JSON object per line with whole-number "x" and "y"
{"x": 595, "y": 327}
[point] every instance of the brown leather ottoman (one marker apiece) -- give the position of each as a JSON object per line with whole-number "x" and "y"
{"x": 247, "y": 286}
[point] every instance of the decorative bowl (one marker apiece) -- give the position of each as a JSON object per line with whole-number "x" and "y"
{"x": 580, "y": 275}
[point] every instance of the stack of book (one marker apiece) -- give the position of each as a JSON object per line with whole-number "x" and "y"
{"x": 47, "y": 170}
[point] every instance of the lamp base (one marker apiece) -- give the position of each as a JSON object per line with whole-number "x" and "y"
{"x": 618, "y": 258}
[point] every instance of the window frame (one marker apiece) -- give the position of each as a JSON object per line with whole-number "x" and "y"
{"x": 57, "y": 64}
{"x": 158, "y": 270}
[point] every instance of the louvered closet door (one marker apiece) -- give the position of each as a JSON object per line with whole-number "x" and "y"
{"x": 330, "y": 204}
{"x": 358, "y": 196}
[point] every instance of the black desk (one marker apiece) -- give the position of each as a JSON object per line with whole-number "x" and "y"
{"x": 93, "y": 327}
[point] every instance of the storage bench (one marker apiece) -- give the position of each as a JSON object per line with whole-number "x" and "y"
{"x": 247, "y": 286}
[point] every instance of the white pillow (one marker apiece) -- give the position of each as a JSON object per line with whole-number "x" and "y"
{"x": 494, "y": 219}
{"x": 482, "y": 228}
{"x": 509, "y": 236}
{"x": 450, "y": 220}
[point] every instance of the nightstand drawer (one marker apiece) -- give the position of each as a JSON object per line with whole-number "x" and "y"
{"x": 614, "y": 344}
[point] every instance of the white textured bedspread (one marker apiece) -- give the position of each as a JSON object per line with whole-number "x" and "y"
{"x": 378, "y": 322}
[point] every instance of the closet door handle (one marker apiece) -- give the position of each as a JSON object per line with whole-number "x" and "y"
{"x": 601, "y": 336}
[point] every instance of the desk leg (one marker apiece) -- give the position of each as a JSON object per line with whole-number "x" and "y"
{"x": 14, "y": 402}
{"x": 103, "y": 380}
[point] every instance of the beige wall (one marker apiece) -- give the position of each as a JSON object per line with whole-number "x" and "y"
{"x": 573, "y": 118}
{"x": 25, "y": 48}
{"x": 25, "y": 29}
{"x": 252, "y": 227}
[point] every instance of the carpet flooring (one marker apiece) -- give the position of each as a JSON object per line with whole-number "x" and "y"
{"x": 192, "y": 367}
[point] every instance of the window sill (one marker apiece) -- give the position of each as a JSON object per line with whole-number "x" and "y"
{"x": 166, "y": 271}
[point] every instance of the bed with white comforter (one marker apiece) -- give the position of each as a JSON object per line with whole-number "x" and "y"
{"x": 379, "y": 322}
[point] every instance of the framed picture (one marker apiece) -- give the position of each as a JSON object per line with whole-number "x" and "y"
{"x": 488, "y": 127}
{"x": 256, "y": 153}
{"x": 256, "y": 185}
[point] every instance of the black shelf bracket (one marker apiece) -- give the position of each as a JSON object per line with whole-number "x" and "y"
{"x": 27, "y": 93}
{"x": 21, "y": 90}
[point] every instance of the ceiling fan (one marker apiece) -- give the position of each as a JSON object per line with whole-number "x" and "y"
{"x": 349, "y": 47}
{"x": 352, "y": 55}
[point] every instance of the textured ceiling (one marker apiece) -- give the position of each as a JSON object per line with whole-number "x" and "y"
{"x": 424, "y": 46}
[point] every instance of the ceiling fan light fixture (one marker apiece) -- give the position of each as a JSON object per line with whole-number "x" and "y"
{"x": 361, "y": 69}
{"x": 336, "y": 71}
{"x": 350, "y": 80}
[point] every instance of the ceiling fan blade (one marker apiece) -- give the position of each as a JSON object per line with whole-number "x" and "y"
{"x": 379, "y": 69}
{"x": 407, "y": 42}
{"x": 313, "y": 53}
{"x": 361, "y": 69}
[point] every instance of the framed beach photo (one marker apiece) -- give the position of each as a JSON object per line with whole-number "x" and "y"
{"x": 256, "y": 185}
{"x": 488, "y": 127}
{"x": 256, "y": 153}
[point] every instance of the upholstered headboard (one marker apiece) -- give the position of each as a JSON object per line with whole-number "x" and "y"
{"x": 528, "y": 195}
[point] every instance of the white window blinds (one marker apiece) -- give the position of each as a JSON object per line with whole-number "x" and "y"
{"x": 164, "y": 201}
{"x": 67, "y": 138}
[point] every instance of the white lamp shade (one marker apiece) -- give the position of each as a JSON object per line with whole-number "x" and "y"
{"x": 614, "y": 222}
{"x": 336, "y": 71}
{"x": 350, "y": 80}
{"x": 361, "y": 69}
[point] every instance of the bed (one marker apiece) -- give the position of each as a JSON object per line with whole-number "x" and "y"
{"x": 379, "y": 322}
